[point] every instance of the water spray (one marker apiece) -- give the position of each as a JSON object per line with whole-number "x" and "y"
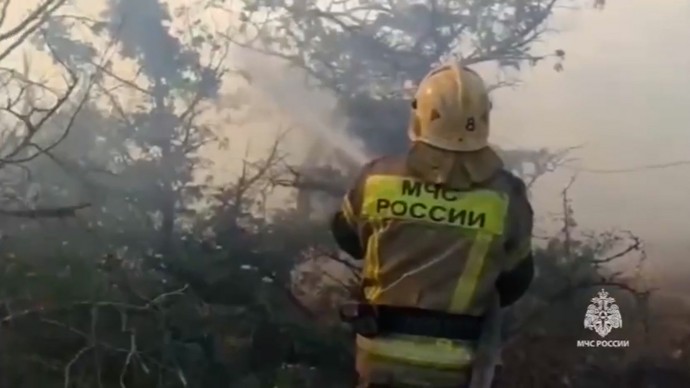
{"x": 301, "y": 105}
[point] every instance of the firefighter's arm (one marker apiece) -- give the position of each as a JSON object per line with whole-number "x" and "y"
{"x": 518, "y": 272}
{"x": 345, "y": 222}
{"x": 344, "y": 230}
{"x": 513, "y": 284}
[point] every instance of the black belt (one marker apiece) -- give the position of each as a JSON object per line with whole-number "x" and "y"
{"x": 372, "y": 320}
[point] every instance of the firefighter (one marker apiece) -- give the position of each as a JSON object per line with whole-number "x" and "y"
{"x": 445, "y": 234}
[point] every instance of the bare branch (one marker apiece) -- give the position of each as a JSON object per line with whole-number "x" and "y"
{"x": 132, "y": 352}
{"x": 635, "y": 245}
{"x": 26, "y": 27}
{"x": 32, "y": 126}
{"x": 306, "y": 182}
{"x": 68, "y": 367}
{"x": 58, "y": 212}
{"x": 91, "y": 304}
{"x": 130, "y": 83}
{"x": 568, "y": 222}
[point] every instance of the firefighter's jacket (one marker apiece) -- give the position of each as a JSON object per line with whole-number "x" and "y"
{"x": 434, "y": 247}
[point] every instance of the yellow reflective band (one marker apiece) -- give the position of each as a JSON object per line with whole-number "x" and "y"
{"x": 467, "y": 284}
{"x": 348, "y": 213}
{"x": 394, "y": 197}
{"x": 373, "y": 262}
{"x": 420, "y": 351}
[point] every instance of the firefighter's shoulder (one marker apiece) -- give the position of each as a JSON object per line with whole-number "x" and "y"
{"x": 517, "y": 192}
{"x": 515, "y": 184}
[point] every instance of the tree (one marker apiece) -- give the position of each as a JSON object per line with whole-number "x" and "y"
{"x": 127, "y": 300}
{"x": 14, "y": 36}
{"x": 145, "y": 157}
{"x": 31, "y": 107}
{"x": 369, "y": 53}
{"x": 168, "y": 133}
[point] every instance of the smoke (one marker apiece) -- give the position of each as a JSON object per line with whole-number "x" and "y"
{"x": 311, "y": 111}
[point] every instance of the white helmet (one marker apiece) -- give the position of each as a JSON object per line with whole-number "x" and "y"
{"x": 451, "y": 110}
